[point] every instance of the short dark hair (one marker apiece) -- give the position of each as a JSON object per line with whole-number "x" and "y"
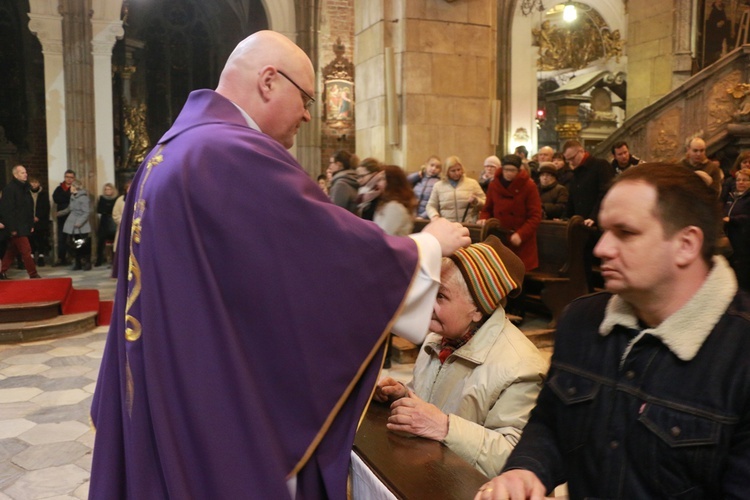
{"x": 522, "y": 149}
{"x": 514, "y": 160}
{"x": 69, "y": 171}
{"x": 344, "y": 157}
{"x": 618, "y": 145}
{"x": 572, "y": 143}
{"x": 683, "y": 199}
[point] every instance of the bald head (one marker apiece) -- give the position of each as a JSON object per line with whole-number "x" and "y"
{"x": 545, "y": 154}
{"x": 270, "y": 78}
{"x": 696, "y": 151}
{"x": 19, "y": 172}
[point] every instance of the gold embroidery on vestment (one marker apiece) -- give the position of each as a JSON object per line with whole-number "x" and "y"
{"x": 133, "y": 328}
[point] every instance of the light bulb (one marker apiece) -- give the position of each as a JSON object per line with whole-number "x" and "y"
{"x": 569, "y": 13}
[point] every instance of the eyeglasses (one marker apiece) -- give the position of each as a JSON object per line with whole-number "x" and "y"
{"x": 310, "y": 99}
{"x": 569, "y": 159}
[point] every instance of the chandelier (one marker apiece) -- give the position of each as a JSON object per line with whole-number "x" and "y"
{"x": 528, "y": 6}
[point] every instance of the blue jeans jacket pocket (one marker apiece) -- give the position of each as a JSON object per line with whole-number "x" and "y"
{"x": 682, "y": 448}
{"x": 577, "y": 394}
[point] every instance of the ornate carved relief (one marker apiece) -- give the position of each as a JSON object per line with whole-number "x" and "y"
{"x": 576, "y": 47}
{"x": 720, "y": 103}
{"x": 741, "y": 95}
{"x": 662, "y": 138}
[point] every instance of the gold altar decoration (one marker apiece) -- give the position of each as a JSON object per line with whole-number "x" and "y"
{"x": 137, "y": 134}
{"x": 569, "y": 130}
{"x": 575, "y": 47}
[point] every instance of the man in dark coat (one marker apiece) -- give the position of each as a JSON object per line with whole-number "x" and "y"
{"x": 648, "y": 392}
{"x": 18, "y": 218}
{"x": 591, "y": 179}
{"x": 61, "y": 197}
{"x": 39, "y": 239}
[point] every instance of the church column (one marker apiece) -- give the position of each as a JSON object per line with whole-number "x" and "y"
{"x": 47, "y": 26}
{"x": 444, "y": 55}
{"x": 104, "y": 34}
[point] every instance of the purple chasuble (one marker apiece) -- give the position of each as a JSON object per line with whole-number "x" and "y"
{"x": 248, "y": 325}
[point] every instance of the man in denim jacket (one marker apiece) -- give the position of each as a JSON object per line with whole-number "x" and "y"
{"x": 648, "y": 395}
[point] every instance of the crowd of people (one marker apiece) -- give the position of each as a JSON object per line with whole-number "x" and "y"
{"x": 520, "y": 192}
{"x": 25, "y": 212}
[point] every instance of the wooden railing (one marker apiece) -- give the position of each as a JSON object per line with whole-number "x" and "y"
{"x": 704, "y": 104}
{"x": 413, "y": 467}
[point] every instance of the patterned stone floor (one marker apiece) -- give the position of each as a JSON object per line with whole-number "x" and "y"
{"x": 46, "y": 389}
{"x": 45, "y": 394}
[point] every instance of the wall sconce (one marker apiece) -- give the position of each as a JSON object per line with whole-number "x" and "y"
{"x": 529, "y": 6}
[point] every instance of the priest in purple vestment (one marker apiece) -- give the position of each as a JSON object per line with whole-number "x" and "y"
{"x": 238, "y": 365}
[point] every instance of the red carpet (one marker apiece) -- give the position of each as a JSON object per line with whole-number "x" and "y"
{"x": 56, "y": 289}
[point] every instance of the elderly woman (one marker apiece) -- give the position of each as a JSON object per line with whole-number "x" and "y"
{"x": 457, "y": 198}
{"x": 513, "y": 199}
{"x": 77, "y": 227}
{"x": 477, "y": 376}
{"x": 554, "y": 195}
{"x": 737, "y": 226}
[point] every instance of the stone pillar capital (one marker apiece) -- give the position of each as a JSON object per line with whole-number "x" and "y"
{"x": 48, "y": 29}
{"x": 104, "y": 35}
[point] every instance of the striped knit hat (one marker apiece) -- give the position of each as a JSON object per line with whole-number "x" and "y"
{"x": 492, "y": 272}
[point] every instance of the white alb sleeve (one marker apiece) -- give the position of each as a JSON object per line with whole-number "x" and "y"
{"x": 414, "y": 321}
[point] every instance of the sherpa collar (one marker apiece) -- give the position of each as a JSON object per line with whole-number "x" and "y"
{"x": 684, "y": 331}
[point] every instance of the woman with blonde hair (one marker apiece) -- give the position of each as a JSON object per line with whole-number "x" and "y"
{"x": 457, "y": 198}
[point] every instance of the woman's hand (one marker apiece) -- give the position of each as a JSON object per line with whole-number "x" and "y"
{"x": 389, "y": 389}
{"x": 416, "y": 416}
{"x": 515, "y": 240}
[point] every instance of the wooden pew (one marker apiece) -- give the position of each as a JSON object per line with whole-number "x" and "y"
{"x": 561, "y": 275}
{"x": 413, "y": 467}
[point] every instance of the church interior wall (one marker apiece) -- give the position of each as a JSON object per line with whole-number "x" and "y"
{"x": 445, "y": 79}
{"x": 446, "y": 64}
{"x": 650, "y": 52}
{"x": 336, "y": 25}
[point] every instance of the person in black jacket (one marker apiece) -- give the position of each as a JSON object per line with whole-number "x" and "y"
{"x": 17, "y": 207}
{"x": 39, "y": 239}
{"x": 107, "y": 225}
{"x": 591, "y": 179}
{"x": 61, "y": 197}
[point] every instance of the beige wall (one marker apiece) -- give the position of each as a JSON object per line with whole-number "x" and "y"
{"x": 445, "y": 66}
{"x": 650, "y": 52}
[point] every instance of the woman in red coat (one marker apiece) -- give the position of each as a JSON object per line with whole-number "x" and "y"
{"x": 513, "y": 199}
